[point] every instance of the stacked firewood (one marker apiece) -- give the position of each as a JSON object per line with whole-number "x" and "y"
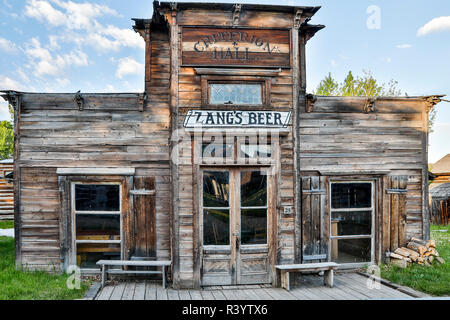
{"x": 417, "y": 251}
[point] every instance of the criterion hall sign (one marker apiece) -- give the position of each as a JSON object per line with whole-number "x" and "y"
{"x": 235, "y": 47}
{"x": 236, "y": 119}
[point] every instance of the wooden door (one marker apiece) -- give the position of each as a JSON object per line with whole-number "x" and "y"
{"x": 234, "y": 226}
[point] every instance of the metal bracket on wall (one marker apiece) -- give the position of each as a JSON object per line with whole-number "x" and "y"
{"x": 79, "y": 100}
{"x": 237, "y": 14}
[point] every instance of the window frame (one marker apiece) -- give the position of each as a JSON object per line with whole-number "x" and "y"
{"x": 351, "y": 237}
{"x": 206, "y": 80}
{"x": 74, "y": 212}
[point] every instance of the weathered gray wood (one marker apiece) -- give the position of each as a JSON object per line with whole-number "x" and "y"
{"x": 150, "y": 291}
{"x": 118, "y": 291}
{"x": 135, "y": 263}
{"x": 139, "y": 291}
{"x": 105, "y": 292}
{"x": 308, "y": 266}
{"x": 95, "y": 171}
{"x": 128, "y": 293}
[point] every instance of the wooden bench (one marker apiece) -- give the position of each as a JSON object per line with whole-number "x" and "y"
{"x": 286, "y": 269}
{"x": 104, "y": 264}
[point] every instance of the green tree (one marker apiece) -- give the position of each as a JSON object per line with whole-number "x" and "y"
{"x": 328, "y": 86}
{"x": 363, "y": 86}
{"x": 6, "y": 140}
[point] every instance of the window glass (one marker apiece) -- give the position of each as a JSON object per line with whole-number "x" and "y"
{"x": 217, "y": 150}
{"x": 216, "y": 189}
{"x": 351, "y": 195}
{"x": 346, "y": 223}
{"x": 351, "y": 250}
{"x": 255, "y": 151}
{"x": 97, "y": 197}
{"x": 235, "y": 93}
{"x": 216, "y": 227}
{"x": 98, "y": 226}
{"x": 254, "y": 226}
{"x": 89, "y": 253}
{"x": 253, "y": 189}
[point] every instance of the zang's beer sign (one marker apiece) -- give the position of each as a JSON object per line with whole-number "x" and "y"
{"x": 235, "y": 47}
{"x": 236, "y": 119}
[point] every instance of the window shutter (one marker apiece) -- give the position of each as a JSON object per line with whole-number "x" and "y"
{"x": 314, "y": 220}
{"x": 394, "y": 212}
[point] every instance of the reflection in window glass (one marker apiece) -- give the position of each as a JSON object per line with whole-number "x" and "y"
{"x": 216, "y": 227}
{"x": 97, "y": 197}
{"x": 255, "y": 151}
{"x": 89, "y": 253}
{"x": 346, "y": 223}
{"x": 254, "y": 226}
{"x": 351, "y": 195}
{"x": 253, "y": 189}
{"x": 238, "y": 93}
{"x": 215, "y": 189}
{"x": 98, "y": 226}
{"x": 217, "y": 150}
{"x": 351, "y": 250}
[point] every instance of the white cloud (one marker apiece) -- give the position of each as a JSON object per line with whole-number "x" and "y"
{"x": 4, "y": 111}
{"x": 435, "y": 25}
{"x": 43, "y": 11}
{"x": 7, "y": 46}
{"x": 44, "y": 63}
{"x": 403, "y": 46}
{"x": 7, "y": 83}
{"x": 80, "y": 24}
{"x": 129, "y": 66}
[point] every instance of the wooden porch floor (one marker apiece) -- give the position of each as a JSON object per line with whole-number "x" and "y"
{"x": 347, "y": 286}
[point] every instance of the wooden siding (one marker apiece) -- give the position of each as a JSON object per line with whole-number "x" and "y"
{"x": 339, "y": 138}
{"x": 110, "y": 131}
{"x": 6, "y": 191}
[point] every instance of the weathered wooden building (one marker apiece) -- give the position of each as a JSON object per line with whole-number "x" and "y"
{"x": 224, "y": 165}
{"x": 6, "y": 190}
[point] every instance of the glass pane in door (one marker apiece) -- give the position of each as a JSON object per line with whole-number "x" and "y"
{"x": 253, "y": 207}
{"x": 216, "y": 208}
{"x": 253, "y": 189}
{"x": 254, "y": 226}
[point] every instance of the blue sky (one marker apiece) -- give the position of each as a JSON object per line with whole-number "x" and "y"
{"x": 66, "y": 46}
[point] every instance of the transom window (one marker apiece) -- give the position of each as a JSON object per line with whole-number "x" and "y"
{"x": 236, "y": 93}
{"x": 97, "y": 214}
{"x": 236, "y": 151}
{"x": 351, "y": 216}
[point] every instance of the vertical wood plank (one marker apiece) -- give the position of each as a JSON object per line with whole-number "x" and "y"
{"x": 306, "y": 215}
{"x": 315, "y": 217}
{"x": 386, "y": 241}
{"x": 394, "y": 214}
{"x": 402, "y": 213}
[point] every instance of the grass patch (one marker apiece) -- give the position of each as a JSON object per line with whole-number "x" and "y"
{"x": 434, "y": 280}
{"x": 6, "y": 224}
{"x": 33, "y": 285}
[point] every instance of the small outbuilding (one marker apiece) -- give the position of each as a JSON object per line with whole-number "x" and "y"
{"x": 440, "y": 204}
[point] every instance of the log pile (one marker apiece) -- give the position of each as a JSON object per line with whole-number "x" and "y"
{"x": 417, "y": 251}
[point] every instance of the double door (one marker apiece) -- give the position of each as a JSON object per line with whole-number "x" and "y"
{"x": 236, "y": 226}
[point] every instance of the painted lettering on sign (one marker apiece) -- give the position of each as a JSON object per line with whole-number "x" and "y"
{"x": 215, "y": 46}
{"x": 217, "y": 118}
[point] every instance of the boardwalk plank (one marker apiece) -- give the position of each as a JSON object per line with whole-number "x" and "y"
{"x": 172, "y": 294}
{"x": 105, "y": 293}
{"x": 218, "y": 295}
{"x": 184, "y": 294}
{"x": 139, "y": 291}
{"x": 195, "y": 295}
{"x": 229, "y": 294}
{"x": 118, "y": 291}
{"x": 150, "y": 291}
{"x": 128, "y": 293}
{"x": 161, "y": 293}
{"x": 263, "y": 294}
{"x": 207, "y": 295}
